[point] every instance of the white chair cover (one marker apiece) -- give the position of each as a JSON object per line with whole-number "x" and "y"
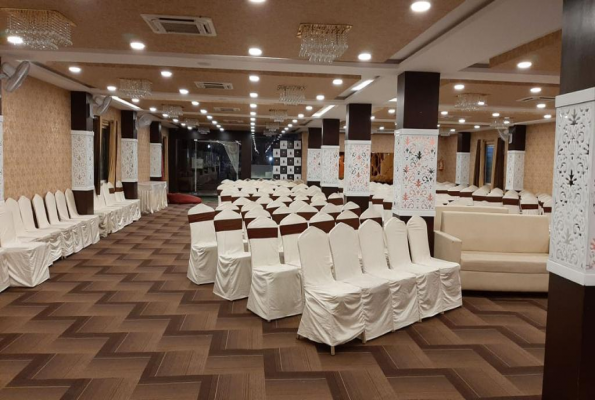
{"x": 77, "y": 227}
{"x": 113, "y": 215}
{"x": 68, "y": 243}
{"x": 126, "y": 212}
{"x": 333, "y": 311}
{"x": 202, "y": 266}
{"x": 101, "y": 220}
{"x": 322, "y": 221}
{"x": 371, "y": 214}
{"x": 90, "y": 223}
{"x": 234, "y": 271}
{"x": 134, "y": 204}
{"x": 28, "y": 263}
{"x": 290, "y": 228}
{"x": 51, "y": 236}
{"x": 276, "y": 289}
{"x": 296, "y": 205}
{"x": 4, "y": 275}
{"x": 353, "y": 207}
{"x": 428, "y": 281}
{"x": 376, "y": 294}
{"x": 450, "y": 278}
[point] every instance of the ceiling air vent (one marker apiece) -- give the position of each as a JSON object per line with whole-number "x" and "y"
{"x": 226, "y": 109}
{"x": 214, "y": 85}
{"x": 234, "y": 121}
{"x": 169, "y": 24}
{"x": 536, "y": 98}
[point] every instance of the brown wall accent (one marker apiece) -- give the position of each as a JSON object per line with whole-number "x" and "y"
{"x": 418, "y": 98}
{"x": 359, "y": 127}
{"x": 314, "y": 138}
{"x": 330, "y": 132}
{"x": 519, "y": 134}
{"x": 464, "y": 142}
{"x": 129, "y": 131}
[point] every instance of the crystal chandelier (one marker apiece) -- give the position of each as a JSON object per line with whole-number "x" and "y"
{"x": 203, "y": 130}
{"x": 171, "y": 110}
{"x": 39, "y": 29}
{"x": 192, "y": 122}
{"x": 278, "y": 115}
{"x": 470, "y": 101}
{"x": 272, "y": 126}
{"x": 323, "y": 43}
{"x": 135, "y": 88}
{"x": 270, "y": 133}
{"x": 291, "y": 94}
{"x": 501, "y": 123}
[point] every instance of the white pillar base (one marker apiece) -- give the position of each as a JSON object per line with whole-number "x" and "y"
{"x": 83, "y": 161}
{"x": 356, "y": 182}
{"x": 462, "y": 173}
{"x": 515, "y": 170}
{"x": 314, "y": 165}
{"x": 129, "y": 151}
{"x": 156, "y": 160}
{"x": 330, "y": 166}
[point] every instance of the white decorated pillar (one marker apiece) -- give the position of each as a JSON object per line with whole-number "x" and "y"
{"x": 1, "y": 159}
{"x": 515, "y": 159}
{"x": 82, "y": 149}
{"x": 358, "y": 146}
{"x": 329, "y": 180}
{"x": 314, "y": 161}
{"x": 463, "y": 158}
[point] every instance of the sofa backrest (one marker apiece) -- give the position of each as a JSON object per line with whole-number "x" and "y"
{"x": 498, "y": 232}
{"x": 474, "y": 209}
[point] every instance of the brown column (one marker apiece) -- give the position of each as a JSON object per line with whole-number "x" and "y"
{"x": 314, "y": 156}
{"x": 356, "y": 183}
{"x": 83, "y": 160}
{"x": 416, "y": 147}
{"x": 129, "y": 152}
{"x": 156, "y": 151}
{"x": 329, "y": 180}
{"x": 515, "y": 159}
{"x": 569, "y": 345}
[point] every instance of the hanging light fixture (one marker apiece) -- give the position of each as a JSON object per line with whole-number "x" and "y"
{"x": 292, "y": 94}
{"x": 172, "y": 110}
{"x": 323, "y": 43}
{"x": 192, "y": 122}
{"x": 39, "y": 29}
{"x": 278, "y": 115}
{"x": 470, "y": 101}
{"x": 136, "y": 87}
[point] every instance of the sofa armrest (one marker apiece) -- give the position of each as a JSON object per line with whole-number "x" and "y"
{"x": 447, "y": 247}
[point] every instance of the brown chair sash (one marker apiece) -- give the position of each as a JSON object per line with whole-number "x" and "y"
{"x": 477, "y": 197}
{"x": 262, "y": 233}
{"x": 493, "y": 199}
{"x": 273, "y": 197}
{"x": 234, "y": 198}
{"x": 271, "y": 210}
{"x": 219, "y": 192}
{"x": 306, "y": 215}
{"x": 112, "y": 191}
{"x": 334, "y": 215}
{"x": 224, "y": 225}
{"x": 248, "y": 220}
{"x": 252, "y": 198}
{"x": 511, "y": 202}
{"x": 377, "y": 201}
{"x": 356, "y": 211}
{"x": 375, "y": 219}
{"x": 293, "y": 229}
{"x": 226, "y": 198}
{"x": 287, "y": 203}
{"x": 243, "y": 213}
{"x": 325, "y": 226}
{"x": 441, "y": 191}
{"x": 278, "y": 217}
{"x": 352, "y": 222}
{"x": 466, "y": 194}
{"x": 318, "y": 207}
{"x": 119, "y": 189}
{"x": 337, "y": 202}
{"x": 529, "y": 206}
{"x": 547, "y": 210}
{"x": 208, "y": 216}
{"x": 387, "y": 206}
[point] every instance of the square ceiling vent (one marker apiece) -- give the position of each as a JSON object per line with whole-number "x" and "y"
{"x": 214, "y": 85}
{"x": 226, "y": 109}
{"x": 169, "y": 24}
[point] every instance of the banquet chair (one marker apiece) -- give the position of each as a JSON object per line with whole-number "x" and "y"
{"x": 387, "y": 206}
{"x": 404, "y": 290}
{"x": 494, "y": 198}
{"x": 202, "y": 266}
{"x": 101, "y": 220}
{"x": 322, "y": 221}
{"x": 273, "y": 205}
{"x": 286, "y": 200}
{"x": 240, "y": 202}
{"x": 280, "y": 213}
{"x": 90, "y": 222}
{"x": 376, "y": 293}
{"x": 371, "y": 214}
{"x": 114, "y": 215}
{"x": 466, "y": 195}
{"x": 336, "y": 199}
{"x": 28, "y": 263}
{"x": 302, "y": 197}
{"x": 276, "y": 289}
{"x": 331, "y": 209}
{"x": 318, "y": 203}
{"x": 296, "y": 205}
{"x": 52, "y": 236}
{"x": 124, "y": 211}
{"x": 69, "y": 244}
{"x": 263, "y": 200}
{"x": 290, "y": 229}
{"x": 349, "y": 218}
{"x": 77, "y": 227}
{"x": 121, "y": 199}
{"x": 450, "y": 279}
{"x": 428, "y": 281}
{"x": 234, "y": 271}
{"x": 353, "y": 207}
{"x": 377, "y": 200}
{"x": 255, "y": 213}
{"x": 227, "y": 206}
{"x": 4, "y": 275}
{"x": 512, "y": 201}
{"x": 529, "y": 205}
{"x": 225, "y": 196}
{"x": 307, "y": 212}
{"x": 333, "y": 311}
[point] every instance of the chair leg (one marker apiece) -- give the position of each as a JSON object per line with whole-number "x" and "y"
{"x": 298, "y": 337}
{"x": 364, "y": 340}
{"x": 332, "y": 350}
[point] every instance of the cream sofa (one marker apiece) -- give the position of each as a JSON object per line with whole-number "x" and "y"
{"x": 496, "y": 252}
{"x": 461, "y": 208}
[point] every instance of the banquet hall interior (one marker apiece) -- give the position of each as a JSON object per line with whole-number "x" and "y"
{"x": 282, "y": 200}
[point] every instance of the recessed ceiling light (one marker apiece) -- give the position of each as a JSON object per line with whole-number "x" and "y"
{"x": 253, "y": 105}
{"x": 214, "y": 122}
{"x": 112, "y": 88}
{"x": 176, "y": 120}
{"x": 221, "y": 129}
{"x": 481, "y": 103}
{"x": 337, "y": 82}
{"x": 392, "y": 111}
{"x": 362, "y": 85}
{"x": 541, "y": 105}
{"x": 218, "y": 126}
{"x": 459, "y": 86}
{"x": 75, "y": 69}
{"x": 547, "y": 116}
{"x": 255, "y": 51}
{"x": 372, "y": 118}
{"x": 438, "y": 125}
{"x": 421, "y": 6}
{"x": 309, "y": 108}
{"x": 294, "y": 121}
{"x": 289, "y": 125}
{"x": 444, "y": 113}
{"x": 190, "y": 128}
{"x": 394, "y": 100}
{"x": 254, "y": 95}
{"x": 524, "y": 64}
{"x": 495, "y": 114}
{"x": 252, "y": 123}
{"x": 195, "y": 103}
{"x": 452, "y": 130}
{"x": 381, "y": 128}
{"x": 203, "y": 111}
{"x": 257, "y": 1}
{"x": 300, "y": 115}
{"x": 252, "y": 119}
{"x": 165, "y": 115}
{"x": 137, "y": 45}
{"x": 462, "y": 121}
{"x": 536, "y": 90}
{"x": 209, "y": 117}
{"x": 15, "y": 40}
{"x": 183, "y": 124}
{"x": 254, "y": 78}
{"x": 320, "y": 97}
{"x": 253, "y": 113}
{"x": 476, "y": 126}
{"x": 153, "y": 109}
{"x": 135, "y": 100}
{"x": 166, "y": 74}
{"x": 184, "y": 91}
{"x": 365, "y": 57}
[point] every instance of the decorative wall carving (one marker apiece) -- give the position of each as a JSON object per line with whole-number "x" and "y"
{"x": 330, "y": 166}
{"x": 415, "y": 171}
{"x": 356, "y": 181}
{"x": 463, "y": 162}
{"x": 515, "y": 170}
{"x": 82, "y": 160}
{"x": 156, "y": 160}
{"x": 1, "y": 159}
{"x": 129, "y": 149}
{"x": 314, "y": 170}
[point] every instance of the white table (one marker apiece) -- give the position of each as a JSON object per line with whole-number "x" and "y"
{"x": 153, "y": 196}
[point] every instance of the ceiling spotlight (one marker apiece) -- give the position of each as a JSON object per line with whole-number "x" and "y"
{"x": 459, "y": 86}
{"x": 462, "y": 121}
{"x": 221, "y": 129}
{"x": 209, "y": 117}
{"x": 218, "y": 126}
{"x": 294, "y": 121}
{"x": 176, "y": 120}
{"x": 252, "y": 113}
{"x": 300, "y": 115}
{"x": 320, "y": 97}
{"x": 444, "y": 113}
{"x": 137, "y": 45}
{"x": 524, "y": 64}
{"x": 252, "y": 123}
{"x": 421, "y": 6}
{"x": 392, "y": 111}
{"x": 337, "y": 82}
{"x": 254, "y": 95}
{"x": 135, "y": 100}
{"x": 290, "y": 125}
{"x": 394, "y": 100}
{"x": 189, "y": 128}
{"x": 153, "y": 109}
{"x": 541, "y": 105}
{"x": 255, "y": 51}
{"x": 253, "y": 105}
{"x": 165, "y": 115}
{"x": 547, "y": 116}
{"x": 309, "y": 108}
{"x": 344, "y": 127}
{"x": 166, "y": 74}
{"x": 203, "y": 111}
{"x": 215, "y": 122}
{"x": 75, "y": 70}
{"x": 506, "y": 122}
{"x": 381, "y": 128}
{"x": 112, "y": 88}
{"x": 15, "y": 40}
{"x": 252, "y": 119}
{"x": 536, "y": 90}
{"x": 195, "y": 103}
{"x": 495, "y": 114}
{"x": 183, "y": 124}
{"x": 184, "y": 91}
{"x": 476, "y": 126}
{"x": 452, "y": 130}
{"x": 372, "y": 118}
{"x": 481, "y": 103}
{"x": 365, "y": 57}
{"x": 254, "y": 78}
{"x": 257, "y": 1}
{"x": 438, "y": 126}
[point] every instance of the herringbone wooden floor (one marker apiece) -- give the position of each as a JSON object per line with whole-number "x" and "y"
{"x": 121, "y": 321}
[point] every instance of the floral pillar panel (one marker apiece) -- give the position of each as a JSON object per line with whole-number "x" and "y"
{"x": 515, "y": 170}
{"x": 572, "y": 237}
{"x": 129, "y": 157}
{"x": 462, "y": 173}
{"x": 357, "y": 168}
{"x": 314, "y": 166}
{"x": 1, "y": 159}
{"x": 416, "y": 153}
{"x": 330, "y": 166}
{"x": 156, "y": 157}
{"x": 82, "y": 161}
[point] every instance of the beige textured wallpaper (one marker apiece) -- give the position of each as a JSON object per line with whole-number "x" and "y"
{"x": 37, "y": 149}
{"x": 447, "y": 153}
{"x": 539, "y": 157}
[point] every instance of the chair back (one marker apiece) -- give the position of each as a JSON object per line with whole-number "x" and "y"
{"x": 27, "y": 213}
{"x": 344, "y": 248}
{"x": 19, "y": 227}
{"x": 296, "y": 205}
{"x": 8, "y": 235}
{"x": 315, "y": 257}
{"x": 228, "y": 229}
{"x": 372, "y": 242}
{"x": 371, "y": 214}
{"x": 307, "y": 212}
{"x": 290, "y": 228}
{"x": 263, "y": 234}
{"x": 202, "y": 227}
{"x": 349, "y": 218}
{"x": 62, "y": 207}
{"x": 255, "y": 213}
{"x": 417, "y": 233}
{"x": 280, "y": 213}
{"x": 323, "y": 222}
{"x": 331, "y": 209}
{"x": 71, "y": 203}
{"x": 40, "y": 213}
{"x": 353, "y": 207}
{"x": 50, "y": 205}
{"x": 120, "y": 192}
{"x": 397, "y": 243}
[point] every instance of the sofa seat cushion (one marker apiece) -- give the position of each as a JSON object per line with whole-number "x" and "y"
{"x": 525, "y": 263}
